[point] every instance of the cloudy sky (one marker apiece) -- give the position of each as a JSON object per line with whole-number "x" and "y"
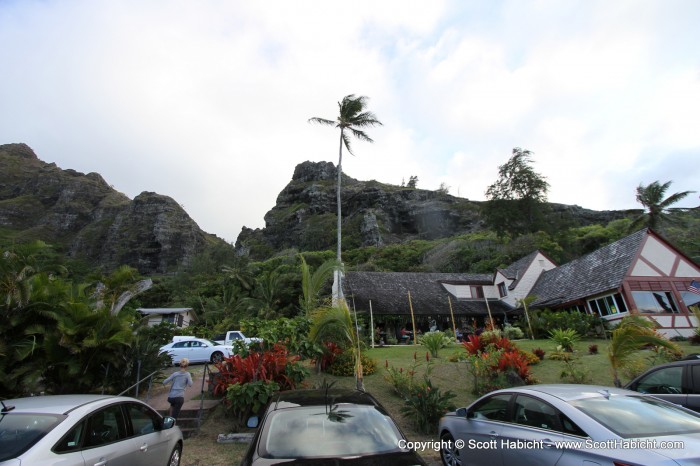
{"x": 207, "y": 101}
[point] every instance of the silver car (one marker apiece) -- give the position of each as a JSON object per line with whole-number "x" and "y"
{"x": 570, "y": 425}
{"x": 197, "y": 350}
{"x": 86, "y": 430}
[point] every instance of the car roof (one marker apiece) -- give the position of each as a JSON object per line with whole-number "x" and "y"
{"x": 321, "y": 397}
{"x": 56, "y": 404}
{"x": 569, "y": 392}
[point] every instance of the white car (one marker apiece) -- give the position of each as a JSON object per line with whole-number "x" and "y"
{"x": 197, "y": 350}
{"x": 74, "y": 430}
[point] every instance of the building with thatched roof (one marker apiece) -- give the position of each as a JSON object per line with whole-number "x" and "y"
{"x": 641, "y": 273}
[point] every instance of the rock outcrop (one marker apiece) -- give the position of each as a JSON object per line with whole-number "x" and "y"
{"x": 84, "y": 217}
{"x": 374, "y": 214}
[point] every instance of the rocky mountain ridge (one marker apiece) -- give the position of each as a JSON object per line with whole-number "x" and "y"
{"x": 82, "y": 216}
{"x": 374, "y": 214}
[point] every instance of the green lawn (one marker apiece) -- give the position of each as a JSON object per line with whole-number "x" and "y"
{"x": 446, "y": 375}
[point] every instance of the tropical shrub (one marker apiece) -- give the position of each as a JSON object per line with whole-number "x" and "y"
{"x": 566, "y": 338}
{"x": 248, "y": 399}
{"x": 498, "y": 364}
{"x": 425, "y": 405}
{"x": 512, "y": 333}
{"x": 434, "y": 341}
{"x": 583, "y": 324}
{"x": 275, "y": 365}
{"x": 344, "y": 364}
{"x": 539, "y": 352}
{"x": 574, "y": 370}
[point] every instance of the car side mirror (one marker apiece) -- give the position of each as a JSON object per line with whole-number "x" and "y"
{"x": 168, "y": 423}
{"x": 253, "y": 422}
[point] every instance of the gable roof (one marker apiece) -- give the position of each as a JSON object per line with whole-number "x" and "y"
{"x": 597, "y": 272}
{"x": 517, "y": 269}
{"x": 388, "y": 292}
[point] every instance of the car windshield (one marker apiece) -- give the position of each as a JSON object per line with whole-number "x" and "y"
{"x": 634, "y": 416}
{"x": 18, "y": 432}
{"x": 317, "y": 431}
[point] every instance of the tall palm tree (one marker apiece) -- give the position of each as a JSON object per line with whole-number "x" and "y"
{"x": 652, "y": 198}
{"x": 352, "y": 117}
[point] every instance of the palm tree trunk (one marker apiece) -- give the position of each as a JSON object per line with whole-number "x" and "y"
{"x": 337, "y": 276}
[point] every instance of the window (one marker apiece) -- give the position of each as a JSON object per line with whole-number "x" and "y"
{"x": 535, "y": 413}
{"x": 143, "y": 420}
{"x": 169, "y": 318}
{"x": 494, "y": 408}
{"x": 105, "y": 426}
{"x": 696, "y": 379}
{"x": 502, "y": 290}
{"x": 477, "y": 291}
{"x": 667, "y": 380}
{"x": 608, "y": 305}
{"x": 655, "y": 302}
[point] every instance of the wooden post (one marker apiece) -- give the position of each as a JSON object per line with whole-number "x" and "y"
{"x": 452, "y": 314}
{"x": 493, "y": 324}
{"x": 413, "y": 319}
{"x": 371, "y": 322}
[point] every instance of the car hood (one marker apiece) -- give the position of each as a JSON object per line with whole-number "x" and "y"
{"x": 390, "y": 459}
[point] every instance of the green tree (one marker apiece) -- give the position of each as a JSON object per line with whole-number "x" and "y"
{"x": 516, "y": 201}
{"x": 351, "y": 119}
{"x": 656, "y": 207}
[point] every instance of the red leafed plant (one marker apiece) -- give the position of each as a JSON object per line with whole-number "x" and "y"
{"x": 515, "y": 361}
{"x": 267, "y": 366}
{"x": 329, "y": 355}
{"x": 473, "y": 344}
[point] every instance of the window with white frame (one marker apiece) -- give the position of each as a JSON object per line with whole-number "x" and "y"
{"x": 607, "y": 305}
{"x": 502, "y": 290}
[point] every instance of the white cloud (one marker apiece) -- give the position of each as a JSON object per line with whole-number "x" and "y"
{"x": 208, "y": 101}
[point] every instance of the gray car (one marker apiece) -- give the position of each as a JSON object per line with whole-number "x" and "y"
{"x": 86, "y": 430}
{"x": 677, "y": 382}
{"x": 570, "y": 425}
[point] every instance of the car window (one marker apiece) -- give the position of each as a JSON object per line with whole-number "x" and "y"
{"x": 105, "y": 426}
{"x": 532, "y": 412}
{"x": 143, "y": 420}
{"x": 71, "y": 441}
{"x": 662, "y": 381}
{"x": 182, "y": 344}
{"x": 696, "y": 378}
{"x": 18, "y": 432}
{"x": 494, "y": 408}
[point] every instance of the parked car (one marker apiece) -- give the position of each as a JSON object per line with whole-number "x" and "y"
{"x": 677, "y": 382}
{"x": 333, "y": 426}
{"x": 570, "y": 424}
{"x": 86, "y": 429}
{"x": 197, "y": 350}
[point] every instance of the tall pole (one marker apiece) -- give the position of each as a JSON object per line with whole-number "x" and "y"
{"x": 371, "y": 322}
{"x": 488, "y": 308}
{"x": 452, "y": 314}
{"x": 413, "y": 319}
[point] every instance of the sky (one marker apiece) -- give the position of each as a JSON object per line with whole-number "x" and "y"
{"x": 208, "y": 101}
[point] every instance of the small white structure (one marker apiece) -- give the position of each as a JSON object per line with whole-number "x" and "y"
{"x": 178, "y": 316}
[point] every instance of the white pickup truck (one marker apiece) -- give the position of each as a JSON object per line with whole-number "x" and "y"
{"x": 232, "y": 335}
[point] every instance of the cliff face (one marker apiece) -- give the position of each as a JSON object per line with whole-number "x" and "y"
{"x": 374, "y": 214}
{"x": 83, "y": 216}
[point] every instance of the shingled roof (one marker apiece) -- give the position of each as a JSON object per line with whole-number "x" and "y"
{"x": 517, "y": 269}
{"x": 388, "y": 292}
{"x": 597, "y": 272}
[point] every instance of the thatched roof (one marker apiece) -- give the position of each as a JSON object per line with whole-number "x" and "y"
{"x": 388, "y": 292}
